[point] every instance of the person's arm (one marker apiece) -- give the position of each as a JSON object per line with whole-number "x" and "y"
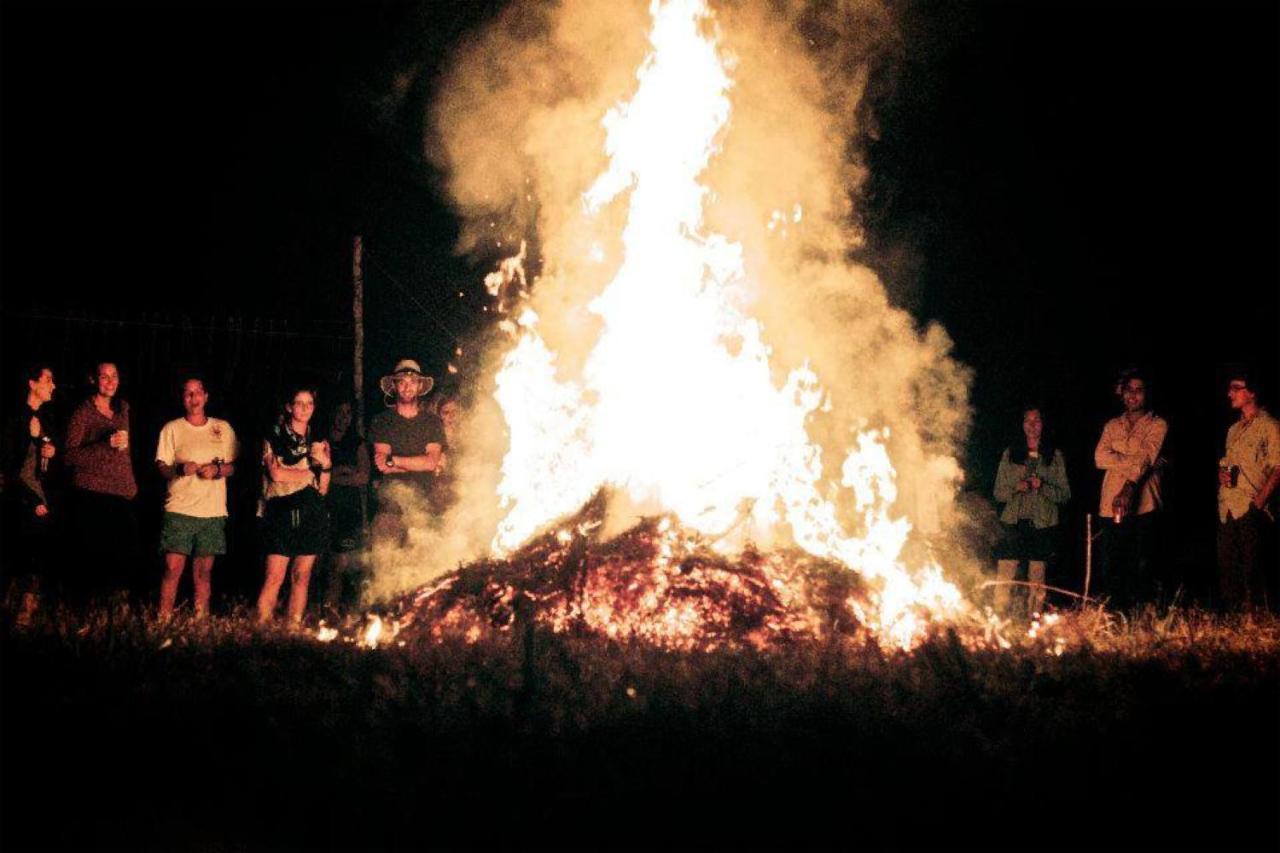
{"x": 1053, "y": 481}
{"x": 30, "y": 490}
{"x": 80, "y": 450}
{"x": 381, "y": 457}
{"x": 1152, "y": 442}
{"x": 1267, "y": 490}
{"x": 1007, "y": 479}
{"x": 1105, "y": 455}
{"x": 322, "y": 460}
{"x": 277, "y": 472}
{"x": 1271, "y": 461}
{"x": 215, "y": 470}
{"x": 412, "y": 464}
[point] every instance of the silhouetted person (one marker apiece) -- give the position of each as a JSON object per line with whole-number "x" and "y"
{"x": 346, "y": 503}
{"x": 1248, "y": 475}
{"x": 28, "y": 517}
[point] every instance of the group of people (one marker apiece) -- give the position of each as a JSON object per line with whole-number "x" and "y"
{"x": 313, "y": 491}
{"x": 1031, "y": 485}
{"x": 312, "y": 496}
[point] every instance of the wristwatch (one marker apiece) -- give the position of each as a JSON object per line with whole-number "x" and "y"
{"x": 391, "y": 460}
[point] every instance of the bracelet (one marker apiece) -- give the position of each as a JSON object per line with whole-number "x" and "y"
{"x": 326, "y": 470}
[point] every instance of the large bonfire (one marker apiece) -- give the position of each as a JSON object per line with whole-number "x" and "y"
{"x": 738, "y": 530}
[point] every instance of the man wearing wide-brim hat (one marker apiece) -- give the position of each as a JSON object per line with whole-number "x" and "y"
{"x": 408, "y": 443}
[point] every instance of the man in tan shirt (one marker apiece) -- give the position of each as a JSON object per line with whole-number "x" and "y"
{"x": 1128, "y": 453}
{"x": 1248, "y": 476}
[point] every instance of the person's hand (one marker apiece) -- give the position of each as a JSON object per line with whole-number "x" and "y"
{"x": 207, "y": 471}
{"x": 189, "y": 469}
{"x": 42, "y": 510}
{"x": 33, "y": 427}
{"x": 1035, "y": 483}
{"x": 119, "y": 440}
{"x": 1022, "y": 486}
{"x": 320, "y": 453}
{"x": 440, "y": 463}
{"x": 1224, "y": 477}
{"x": 47, "y": 450}
{"x": 1258, "y": 502}
{"x": 1120, "y": 506}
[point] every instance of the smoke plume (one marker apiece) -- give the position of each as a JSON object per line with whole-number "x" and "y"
{"x": 516, "y": 129}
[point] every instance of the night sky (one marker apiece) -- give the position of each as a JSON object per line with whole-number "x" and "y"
{"x": 1067, "y": 187}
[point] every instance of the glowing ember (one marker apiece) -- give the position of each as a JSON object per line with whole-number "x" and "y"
{"x": 719, "y": 448}
{"x": 657, "y": 582}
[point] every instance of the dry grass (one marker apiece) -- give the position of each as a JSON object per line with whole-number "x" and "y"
{"x": 262, "y": 738}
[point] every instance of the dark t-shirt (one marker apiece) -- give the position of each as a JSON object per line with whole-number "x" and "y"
{"x": 408, "y": 437}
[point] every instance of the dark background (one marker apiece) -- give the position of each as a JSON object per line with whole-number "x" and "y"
{"x": 1067, "y": 187}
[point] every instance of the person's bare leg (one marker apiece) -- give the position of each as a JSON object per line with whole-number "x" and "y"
{"x": 174, "y": 564}
{"x": 1005, "y": 570}
{"x": 277, "y": 565}
{"x": 1035, "y": 594}
{"x": 298, "y": 587}
{"x": 30, "y": 604}
{"x": 202, "y": 574}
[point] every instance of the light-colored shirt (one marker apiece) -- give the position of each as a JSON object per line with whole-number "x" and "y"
{"x": 181, "y": 441}
{"x": 1126, "y": 453}
{"x": 1255, "y": 447}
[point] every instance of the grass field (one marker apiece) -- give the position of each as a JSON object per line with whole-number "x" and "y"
{"x": 1156, "y": 731}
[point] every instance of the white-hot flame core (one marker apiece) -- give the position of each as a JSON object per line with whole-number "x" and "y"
{"x": 676, "y": 404}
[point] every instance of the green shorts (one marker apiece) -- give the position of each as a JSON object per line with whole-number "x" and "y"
{"x": 197, "y": 537}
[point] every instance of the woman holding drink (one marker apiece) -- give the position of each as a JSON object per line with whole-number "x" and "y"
{"x": 1031, "y": 482}
{"x": 103, "y": 488}
{"x": 295, "y": 525}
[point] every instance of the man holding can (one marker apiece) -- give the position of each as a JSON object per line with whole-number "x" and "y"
{"x": 1248, "y": 475}
{"x": 1129, "y": 455}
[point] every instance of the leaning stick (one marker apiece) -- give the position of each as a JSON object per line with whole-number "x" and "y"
{"x": 1088, "y": 554}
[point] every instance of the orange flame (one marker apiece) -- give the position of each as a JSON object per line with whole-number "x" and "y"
{"x": 676, "y": 407}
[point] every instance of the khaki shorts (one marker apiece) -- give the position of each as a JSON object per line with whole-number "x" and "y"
{"x": 195, "y": 537}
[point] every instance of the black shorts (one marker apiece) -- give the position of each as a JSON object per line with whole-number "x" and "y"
{"x": 1024, "y": 541}
{"x": 296, "y": 525}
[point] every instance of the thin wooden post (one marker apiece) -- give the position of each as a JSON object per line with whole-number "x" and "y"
{"x": 1088, "y": 555}
{"x": 357, "y": 359}
{"x": 357, "y": 311}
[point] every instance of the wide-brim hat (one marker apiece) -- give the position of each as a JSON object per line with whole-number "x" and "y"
{"x": 406, "y": 365}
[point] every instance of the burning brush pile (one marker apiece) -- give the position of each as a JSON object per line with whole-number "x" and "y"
{"x": 692, "y": 343}
{"x": 657, "y": 583}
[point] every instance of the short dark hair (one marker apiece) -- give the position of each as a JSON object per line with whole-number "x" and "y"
{"x": 1130, "y": 373}
{"x": 293, "y": 389}
{"x": 1246, "y": 374}
{"x": 188, "y": 376}
{"x": 32, "y": 370}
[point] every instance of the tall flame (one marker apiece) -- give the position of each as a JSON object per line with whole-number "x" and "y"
{"x": 676, "y": 406}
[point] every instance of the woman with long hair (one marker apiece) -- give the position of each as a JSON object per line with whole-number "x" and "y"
{"x": 1031, "y": 482}
{"x": 103, "y": 488}
{"x": 295, "y": 525}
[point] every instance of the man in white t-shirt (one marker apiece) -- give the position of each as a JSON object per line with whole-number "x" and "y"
{"x": 195, "y": 455}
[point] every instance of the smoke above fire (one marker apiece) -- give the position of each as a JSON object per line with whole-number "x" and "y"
{"x": 534, "y": 129}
